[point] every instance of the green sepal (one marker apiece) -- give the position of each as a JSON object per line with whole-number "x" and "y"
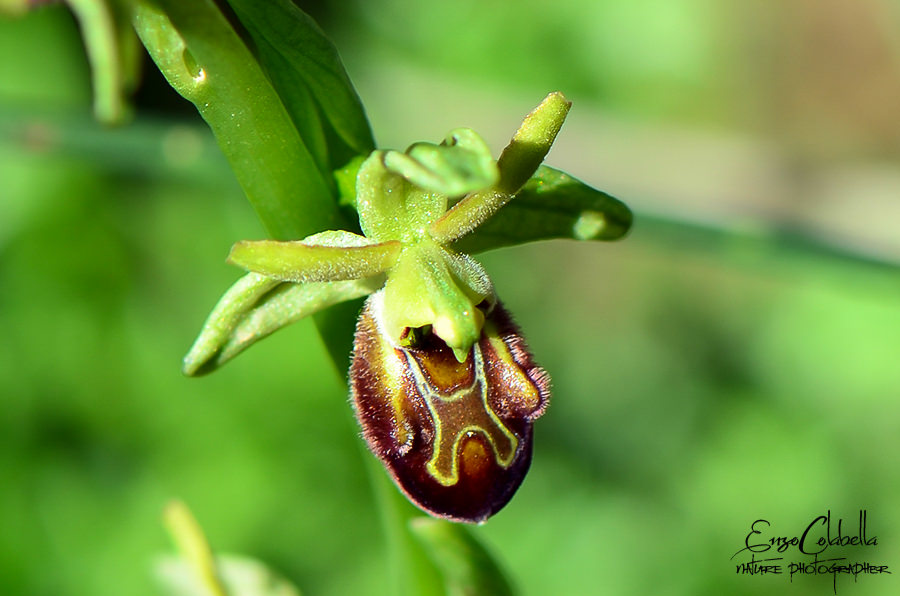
{"x": 552, "y": 204}
{"x": 465, "y": 564}
{"x": 257, "y": 306}
{"x": 458, "y": 166}
{"x": 390, "y": 206}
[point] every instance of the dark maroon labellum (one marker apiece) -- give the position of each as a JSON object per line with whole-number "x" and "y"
{"x": 455, "y": 436}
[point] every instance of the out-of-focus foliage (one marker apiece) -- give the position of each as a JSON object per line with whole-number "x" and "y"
{"x": 701, "y": 380}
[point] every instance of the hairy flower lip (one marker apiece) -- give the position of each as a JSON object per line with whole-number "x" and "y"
{"x": 455, "y": 436}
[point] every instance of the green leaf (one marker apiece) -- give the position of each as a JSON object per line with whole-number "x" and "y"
{"x": 466, "y": 565}
{"x": 257, "y": 306}
{"x": 308, "y": 75}
{"x": 552, "y": 204}
{"x": 205, "y": 60}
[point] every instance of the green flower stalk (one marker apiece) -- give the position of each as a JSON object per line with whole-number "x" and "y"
{"x": 443, "y": 385}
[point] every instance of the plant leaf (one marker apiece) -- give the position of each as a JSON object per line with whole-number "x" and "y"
{"x": 466, "y": 565}
{"x": 256, "y": 306}
{"x": 552, "y": 204}
{"x": 205, "y": 61}
{"x": 308, "y": 75}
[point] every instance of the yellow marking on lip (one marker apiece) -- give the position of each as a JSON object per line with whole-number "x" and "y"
{"x": 463, "y": 413}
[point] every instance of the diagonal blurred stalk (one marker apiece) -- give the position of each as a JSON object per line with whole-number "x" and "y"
{"x": 110, "y": 47}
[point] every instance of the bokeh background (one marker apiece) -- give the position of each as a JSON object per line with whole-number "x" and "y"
{"x": 736, "y": 357}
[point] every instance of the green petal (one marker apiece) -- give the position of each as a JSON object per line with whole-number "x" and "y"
{"x": 517, "y": 164}
{"x": 257, "y": 306}
{"x": 305, "y": 261}
{"x": 460, "y": 165}
{"x": 552, "y": 204}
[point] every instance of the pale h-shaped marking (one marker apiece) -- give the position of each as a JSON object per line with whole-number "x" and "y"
{"x": 460, "y": 414}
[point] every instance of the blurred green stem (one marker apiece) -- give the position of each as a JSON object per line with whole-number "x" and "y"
{"x": 106, "y": 44}
{"x": 412, "y": 573}
{"x": 193, "y": 546}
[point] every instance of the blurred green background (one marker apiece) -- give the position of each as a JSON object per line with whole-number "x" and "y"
{"x": 735, "y": 358}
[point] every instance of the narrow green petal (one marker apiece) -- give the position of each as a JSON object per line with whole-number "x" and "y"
{"x": 301, "y": 262}
{"x": 517, "y": 163}
{"x": 531, "y": 143}
{"x": 458, "y": 166}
